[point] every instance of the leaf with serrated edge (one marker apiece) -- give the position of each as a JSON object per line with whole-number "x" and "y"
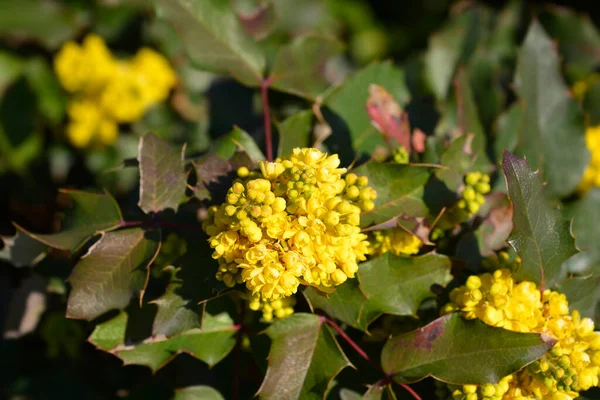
{"x": 92, "y": 213}
{"x": 399, "y": 191}
{"x": 199, "y": 392}
{"x": 294, "y": 132}
{"x": 459, "y": 351}
{"x": 583, "y": 294}
{"x": 349, "y": 100}
{"x": 210, "y": 344}
{"x": 162, "y": 175}
{"x": 585, "y": 214}
{"x": 304, "y": 358}
{"x": 552, "y": 134}
{"x": 215, "y": 38}
{"x": 540, "y": 235}
{"x": 299, "y": 66}
{"x": 113, "y": 269}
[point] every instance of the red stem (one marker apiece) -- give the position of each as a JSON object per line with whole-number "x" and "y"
{"x": 264, "y": 90}
{"x": 364, "y": 355}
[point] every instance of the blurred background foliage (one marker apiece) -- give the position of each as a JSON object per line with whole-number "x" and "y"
{"x": 43, "y": 354}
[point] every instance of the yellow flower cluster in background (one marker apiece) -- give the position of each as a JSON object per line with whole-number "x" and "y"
{"x": 396, "y": 240}
{"x": 571, "y": 366}
{"x": 278, "y": 309}
{"x": 296, "y": 221}
{"x": 107, "y": 91}
{"x": 477, "y": 185}
{"x": 591, "y": 177}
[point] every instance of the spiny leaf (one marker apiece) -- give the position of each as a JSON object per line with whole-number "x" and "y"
{"x": 540, "y": 235}
{"x": 91, "y": 213}
{"x": 294, "y": 132}
{"x": 583, "y": 294}
{"x": 349, "y": 100}
{"x": 552, "y": 137}
{"x": 388, "y": 285}
{"x": 21, "y": 250}
{"x": 585, "y": 214}
{"x": 304, "y": 359}
{"x": 215, "y": 38}
{"x": 459, "y": 351}
{"x": 114, "y": 268}
{"x": 299, "y": 66}
{"x": 199, "y": 392}
{"x": 399, "y": 191}
{"x": 162, "y": 175}
{"x": 210, "y": 344}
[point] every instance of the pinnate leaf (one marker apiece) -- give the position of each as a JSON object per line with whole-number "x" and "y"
{"x": 215, "y": 38}
{"x": 90, "y": 214}
{"x": 113, "y": 270}
{"x": 552, "y": 134}
{"x": 461, "y": 351}
{"x": 540, "y": 235}
{"x": 303, "y": 360}
{"x": 349, "y": 101}
{"x": 299, "y": 66}
{"x": 399, "y": 191}
{"x": 211, "y": 343}
{"x": 162, "y": 175}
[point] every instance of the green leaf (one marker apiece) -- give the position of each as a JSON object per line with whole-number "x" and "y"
{"x": 113, "y": 269}
{"x": 199, "y": 392}
{"x": 553, "y": 131}
{"x": 386, "y": 285}
{"x": 92, "y": 213}
{"x": 510, "y": 125}
{"x": 461, "y": 351}
{"x": 210, "y": 344}
{"x": 583, "y": 294}
{"x": 162, "y": 175}
{"x": 304, "y": 359}
{"x": 11, "y": 67}
{"x": 540, "y": 235}
{"x": 399, "y": 191}
{"x": 398, "y": 285}
{"x": 51, "y": 100}
{"x": 458, "y": 160}
{"x": 577, "y": 38}
{"x": 236, "y": 140}
{"x": 585, "y": 214}
{"x": 349, "y": 101}
{"x": 22, "y": 251}
{"x": 215, "y": 38}
{"x": 294, "y": 132}
{"x": 299, "y": 66}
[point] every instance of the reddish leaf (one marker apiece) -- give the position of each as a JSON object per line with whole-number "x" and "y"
{"x": 387, "y": 116}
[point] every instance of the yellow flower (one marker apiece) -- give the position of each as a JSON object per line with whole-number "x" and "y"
{"x": 277, "y": 309}
{"x": 88, "y": 125}
{"x": 290, "y": 223}
{"x": 591, "y": 176}
{"x": 571, "y": 366}
{"x": 396, "y": 240}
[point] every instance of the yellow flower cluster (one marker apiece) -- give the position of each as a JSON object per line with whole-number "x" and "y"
{"x": 279, "y": 308}
{"x": 108, "y": 91}
{"x": 396, "y": 240}
{"x": 500, "y": 261}
{"x": 400, "y": 155}
{"x": 477, "y": 184}
{"x": 571, "y": 366}
{"x": 296, "y": 221}
{"x": 591, "y": 177}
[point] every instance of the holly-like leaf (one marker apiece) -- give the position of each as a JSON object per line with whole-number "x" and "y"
{"x": 21, "y": 250}
{"x": 113, "y": 269}
{"x": 211, "y": 343}
{"x": 461, "y": 351}
{"x": 199, "y": 392}
{"x": 162, "y": 175}
{"x": 299, "y": 66}
{"x": 585, "y": 215}
{"x": 294, "y": 132}
{"x": 238, "y": 140}
{"x": 540, "y": 235}
{"x": 304, "y": 359}
{"x": 349, "y": 100}
{"x": 552, "y": 137}
{"x": 388, "y": 285}
{"x": 399, "y": 191}
{"x": 91, "y": 213}
{"x": 398, "y": 285}
{"x": 388, "y": 117}
{"x": 583, "y": 294}
{"x": 215, "y": 38}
